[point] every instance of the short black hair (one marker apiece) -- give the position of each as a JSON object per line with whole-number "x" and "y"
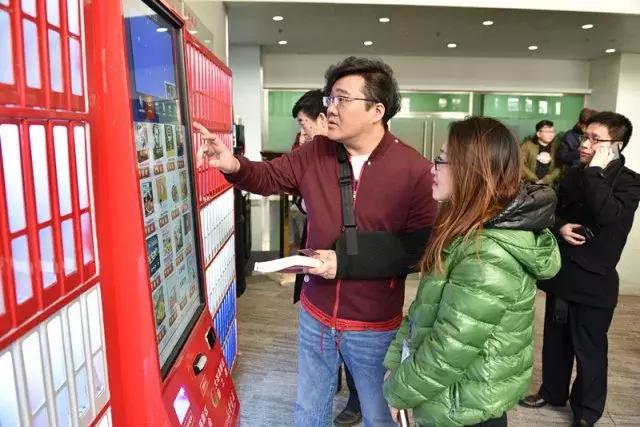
{"x": 380, "y": 84}
{"x": 544, "y": 124}
{"x": 619, "y": 126}
{"x": 310, "y": 104}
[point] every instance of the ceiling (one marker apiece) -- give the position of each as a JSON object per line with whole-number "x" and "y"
{"x": 312, "y": 28}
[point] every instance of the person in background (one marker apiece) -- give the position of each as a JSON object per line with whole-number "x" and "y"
{"x": 464, "y": 354}
{"x": 298, "y": 140}
{"x": 539, "y": 155}
{"x": 568, "y": 153}
{"x": 596, "y": 207}
{"x": 351, "y": 306}
{"x": 297, "y": 213}
{"x": 311, "y": 115}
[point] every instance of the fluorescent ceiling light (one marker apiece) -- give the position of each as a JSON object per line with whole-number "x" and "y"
{"x": 282, "y": 42}
{"x": 384, "y": 20}
{"x": 368, "y": 43}
{"x": 587, "y": 26}
{"x": 162, "y": 30}
{"x": 452, "y": 45}
{"x": 487, "y": 23}
{"x": 610, "y": 50}
{"x": 278, "y": 18}
{"x": 533, "y": 47}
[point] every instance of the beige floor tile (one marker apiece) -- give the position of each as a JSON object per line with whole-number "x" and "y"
{"x": 265, "y": 376}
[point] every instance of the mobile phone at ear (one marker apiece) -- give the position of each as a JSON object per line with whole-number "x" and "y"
{"x": 615, "y": 151}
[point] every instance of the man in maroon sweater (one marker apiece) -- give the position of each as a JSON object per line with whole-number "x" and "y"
{"x": 351, "y": 306}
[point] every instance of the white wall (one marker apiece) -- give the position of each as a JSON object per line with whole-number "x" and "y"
{"x": 213, "y": 15}
{"x": 244, "y": 62}
{"x": 441, "y": 73}
{"x": 628, "y": 98}
{"x": 628, "y": 101}
{"x": 603, "y": 80}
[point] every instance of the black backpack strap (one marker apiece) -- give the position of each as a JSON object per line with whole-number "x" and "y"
{"x": 346, "y": 196}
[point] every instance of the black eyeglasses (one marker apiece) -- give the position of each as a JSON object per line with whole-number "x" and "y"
{"x": 439, "y": 161}
{"x": 584, "y": 138}
{"x": 341, "y": 101}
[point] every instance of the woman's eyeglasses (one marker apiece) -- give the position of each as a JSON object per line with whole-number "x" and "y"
{"x": 439, "y": 161}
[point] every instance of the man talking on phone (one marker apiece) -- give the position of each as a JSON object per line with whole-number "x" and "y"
{"x": 596, "y": 207}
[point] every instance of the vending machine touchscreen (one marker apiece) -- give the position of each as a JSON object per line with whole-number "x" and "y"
{"x": 165, "y": 181}
{"x": 197, "y": 386}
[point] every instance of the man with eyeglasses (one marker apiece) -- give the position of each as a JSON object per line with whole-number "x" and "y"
{"x": 311, "y": 115}
{"x": 351, "y": 306}
{"x": 569, "y": 150}
{"x": 595, "y": 212}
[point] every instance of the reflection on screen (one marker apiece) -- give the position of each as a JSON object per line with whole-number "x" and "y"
{"x": 152, "y": 53}
{"x": 181, "y": 404}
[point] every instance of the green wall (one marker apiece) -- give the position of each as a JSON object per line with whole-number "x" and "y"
{"x": 429, "y": 102}
{"x": 522, "y": 112}
{"x": 282, "y": 128}
{"x": 519, "y": 112}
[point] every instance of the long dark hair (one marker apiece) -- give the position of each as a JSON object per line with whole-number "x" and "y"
{"x": 485, "y": 163}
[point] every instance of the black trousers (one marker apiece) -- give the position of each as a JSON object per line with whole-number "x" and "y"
{"x": 354, "y": 402}
{"x": 494, "y": 422}
{"x": 583, "y": 337}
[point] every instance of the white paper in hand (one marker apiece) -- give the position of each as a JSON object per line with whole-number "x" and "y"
{"x": 293, "y": 264}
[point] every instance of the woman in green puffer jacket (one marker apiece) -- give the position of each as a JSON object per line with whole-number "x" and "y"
{"x": 463, "y": 356}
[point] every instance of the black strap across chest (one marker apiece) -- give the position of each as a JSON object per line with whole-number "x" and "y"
{"x": 345, "y": 180}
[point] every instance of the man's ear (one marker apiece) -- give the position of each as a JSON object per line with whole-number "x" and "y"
{"x": 379, "y": 111}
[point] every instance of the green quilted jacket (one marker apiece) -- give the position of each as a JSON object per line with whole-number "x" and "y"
{"x": 470, "y": 330}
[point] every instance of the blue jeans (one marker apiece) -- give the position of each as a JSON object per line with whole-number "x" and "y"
{"x": 321, "y": 350}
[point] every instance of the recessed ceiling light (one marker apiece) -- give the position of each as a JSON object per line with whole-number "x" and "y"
{"x": 368, "y": 43}
{"x": 533, "y": 47}
{"x": 193, "y": 31}
{"x": 162, "y": 30}
{"x": 278, "y": 18}
{"x": 283, "y": 42}
{"x": 587, "y": 26}
{"x": 487, "y": 23}
{"x": 384, "y": 20}
{"x": 452, "y": 45}
{"x": 610, "y": 50}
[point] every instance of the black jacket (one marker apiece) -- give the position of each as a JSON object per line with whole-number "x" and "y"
{"x": 605, "y": 201}
{"x": 568, "y": 153}
{"x": 532, "y": 209}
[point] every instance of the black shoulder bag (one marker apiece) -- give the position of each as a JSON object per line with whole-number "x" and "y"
{"x": 345, "y": 179}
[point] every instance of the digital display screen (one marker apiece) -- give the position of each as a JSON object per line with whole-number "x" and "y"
{"x": 166, "y": 198}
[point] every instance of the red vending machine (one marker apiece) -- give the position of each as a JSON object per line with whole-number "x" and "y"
{"x": 53, "y": 355}
{"x": 115, "y": 303}
{"x": 209, "y": 88}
